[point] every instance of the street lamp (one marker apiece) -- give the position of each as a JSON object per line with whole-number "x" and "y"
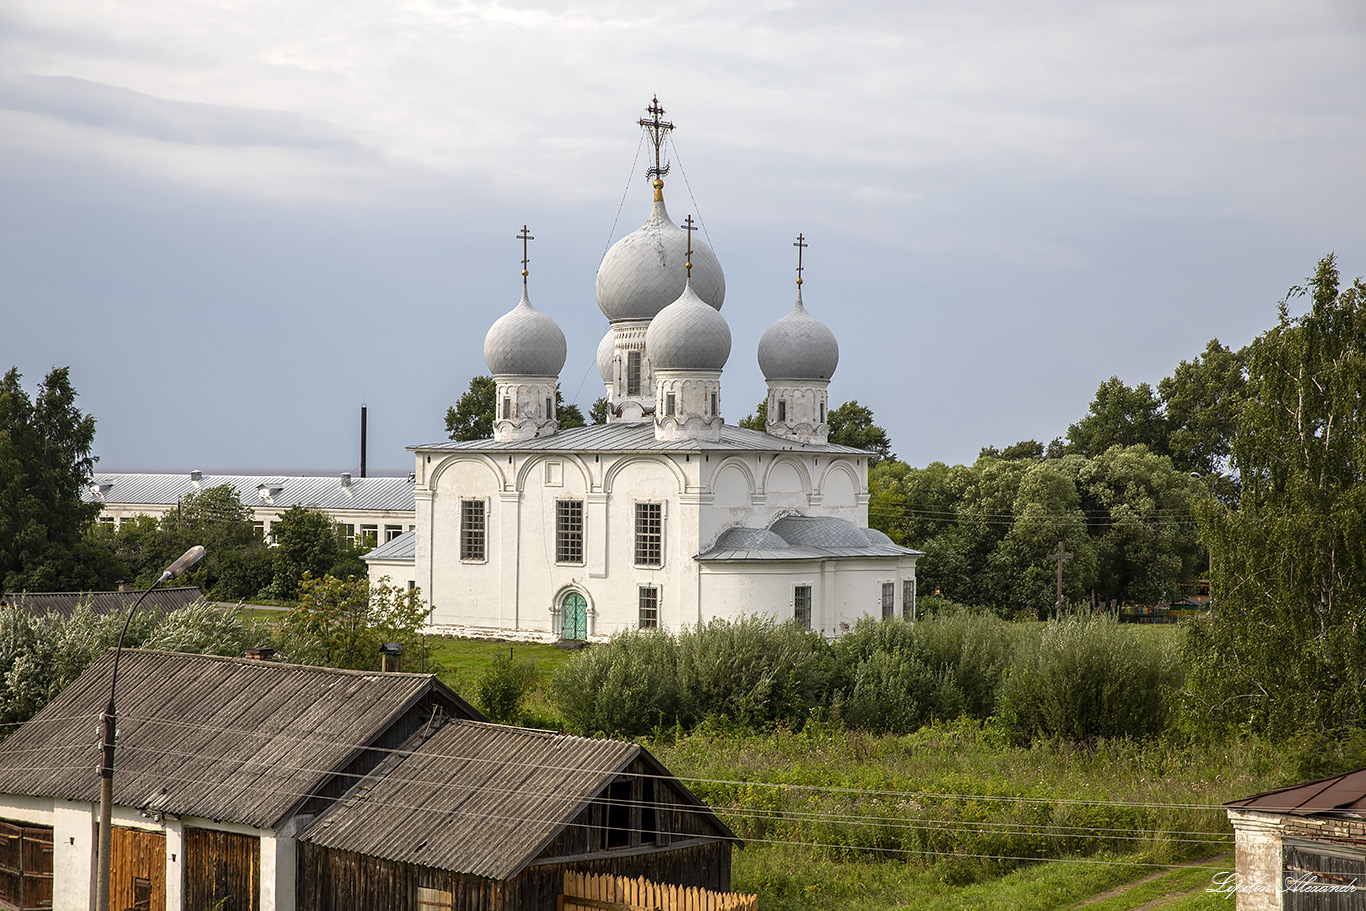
{"x": 188, "y": 559}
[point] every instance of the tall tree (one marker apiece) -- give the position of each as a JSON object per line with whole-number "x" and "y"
{"x": 597, "y": 413}
{"x": 1288, "y": 564}
{"x": 758, "y": 420}
{"x": 851, "y": 424}
{"x": 45, "y": 464}
{"x": 472, "y": 417}
{"x": 1201, "y": 400}
{"x": 1120, "y": 416}
{"x": 306, "y": 541}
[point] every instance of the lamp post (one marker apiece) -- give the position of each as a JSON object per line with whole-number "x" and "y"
{"x": 110, "y": 719}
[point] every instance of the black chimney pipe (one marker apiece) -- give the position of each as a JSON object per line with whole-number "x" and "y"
{"x": 362, "y": 441}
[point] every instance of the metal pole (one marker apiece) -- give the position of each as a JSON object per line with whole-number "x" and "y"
{"x": 110, "y": 719}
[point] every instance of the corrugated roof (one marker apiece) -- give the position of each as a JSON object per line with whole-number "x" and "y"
{"x": 161, "y": 600}
{"x": 802, "y": 538}
{"x": 1341, "y": 794}
{"x": 478, "y": 798}
{"x": 221, "y": 738}
{"x": 402, "y": 547}
{"x": 622, "y": 437}
{"x": 369, "y": 494}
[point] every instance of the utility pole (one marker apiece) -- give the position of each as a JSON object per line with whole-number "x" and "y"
{"x": 1058, "y": 556}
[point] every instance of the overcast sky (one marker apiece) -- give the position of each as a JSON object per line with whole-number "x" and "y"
{"x": 238, "y": 220}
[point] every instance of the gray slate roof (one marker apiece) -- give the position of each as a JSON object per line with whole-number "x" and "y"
{"x": 478, "y": 798}
{"x": 370, "y": 494}
{"x": 161, "y": 600}
{"x": 802, "y": 538}
{"x": 632, "y": 438}
{"x": 403, "y": 547}
{"x": 221, "y": 738}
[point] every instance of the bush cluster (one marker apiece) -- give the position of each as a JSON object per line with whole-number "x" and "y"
{"x": 1074, "y": 680}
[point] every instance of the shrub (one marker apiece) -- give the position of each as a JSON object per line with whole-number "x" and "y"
{"x": 627, "y": 685}
{"x": 503, "y": 688}
{"x": 1082, "y": 679}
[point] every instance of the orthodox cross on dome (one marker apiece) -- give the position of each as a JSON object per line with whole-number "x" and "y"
{"x": 658, "y": 130}
{"x": 524, "y": 237}
{"x": 689, "y": 227}
{"x": 800, "y": 245}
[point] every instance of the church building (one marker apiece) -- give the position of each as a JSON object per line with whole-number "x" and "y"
{"x": 664, "y": 516}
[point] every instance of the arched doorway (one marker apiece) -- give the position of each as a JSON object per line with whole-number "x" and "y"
{"x": 574, "y": 610}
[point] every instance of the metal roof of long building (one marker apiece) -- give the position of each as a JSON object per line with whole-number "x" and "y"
{"x": 479, "y": 798}
{"x": 160, "y": 600}
{"x": 632, "y": 438}
{"x": 332, "y": 493}
{"x": 798, "y": 538}
{"x": 221, "y": 738}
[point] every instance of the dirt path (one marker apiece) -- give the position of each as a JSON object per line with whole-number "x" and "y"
{"x": 1160, "y": 900}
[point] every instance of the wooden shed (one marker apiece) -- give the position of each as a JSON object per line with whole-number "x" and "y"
{"x": 220, "y": 763}
{"x": 476, "y": 815}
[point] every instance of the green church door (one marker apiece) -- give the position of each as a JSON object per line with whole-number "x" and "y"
{"x": 575, "y": 617}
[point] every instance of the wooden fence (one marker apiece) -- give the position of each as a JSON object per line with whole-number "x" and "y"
{"x": 590, "y": 892}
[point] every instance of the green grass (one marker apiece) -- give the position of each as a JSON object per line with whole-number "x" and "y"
{"x": 1101, "y": 817}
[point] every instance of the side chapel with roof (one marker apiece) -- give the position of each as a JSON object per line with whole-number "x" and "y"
{"x": 665, "y": 516}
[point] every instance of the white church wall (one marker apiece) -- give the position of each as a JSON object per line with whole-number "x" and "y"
{"x": 463, "y": 591}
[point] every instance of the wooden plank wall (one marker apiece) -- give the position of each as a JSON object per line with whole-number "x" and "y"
{"x": 604, "y": 892}
{"x": 222, "y": 870}
{"x": 137, "y": 880}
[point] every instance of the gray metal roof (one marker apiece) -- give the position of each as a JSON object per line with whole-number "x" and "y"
{"x": 623, "y": 437}
{"x": 161, "y": 600}
{"x": 221, "y": 738}
{"x": 479, "y": 798}
{"x": 802, "y": 538}
{"x": 403, "y": 547}
{"x": 329, "y": 493}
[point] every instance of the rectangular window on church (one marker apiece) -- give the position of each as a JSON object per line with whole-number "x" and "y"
{"x": 801, "y": 606}
{"x": 569, "y": 531}
{"x": 713, "y": 403}
{"x": 822, "y": 412}
{"x": 669, "y": 403}
{"x": 888, "y": 600}
{"x": 649, "y": 607}
{"x": 782, "y": 410}
{"x": 907, "y": 599}
{"x": 473, "y": 530}
{"x": 507, "y": 408}
{"x": 633, "y": 373}
{"x": 649, "y": 534}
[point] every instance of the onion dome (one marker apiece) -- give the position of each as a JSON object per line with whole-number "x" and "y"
{"x": 644, "y": 271}
{"x": 798, "y": 347}
{"x": 606, "y": 351}
{"x": 688, "y": 335}
{"x": 524, "y": 342}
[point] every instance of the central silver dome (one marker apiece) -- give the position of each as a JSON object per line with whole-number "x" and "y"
{"x": 644, "y": 271}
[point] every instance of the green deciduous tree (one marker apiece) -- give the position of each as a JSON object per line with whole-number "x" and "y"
{"x": 1288, "y": 562}
{"x": 567, "y": 416}
{"x": 45, "y": 464}
{"x": 306, "y": 541}
{"x": 1202, "y": 400}
{"x": 472, "y": 417}
{"x": 851, "y": 424}
{"x": 758, "y": 420}
{"x": 1120, "y": 416}
{"x": 343, "y": 622}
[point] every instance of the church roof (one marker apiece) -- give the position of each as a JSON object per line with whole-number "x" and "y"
{"x": 640, "y": 437}
{"x": 401, "y": 547}
{"x": 802, "y": 538}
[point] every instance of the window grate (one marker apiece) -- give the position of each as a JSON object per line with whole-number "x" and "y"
{"x": 649, "y": 534}
{"x": 568, "y": 531}
{"x": 888, "y": 600}
{"x": 473, "y": 527}
{"x": 801, "y": 606}
{"x": 649, "y": 607}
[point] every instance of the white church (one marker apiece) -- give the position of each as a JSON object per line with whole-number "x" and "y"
{"x": 665, "y": 516}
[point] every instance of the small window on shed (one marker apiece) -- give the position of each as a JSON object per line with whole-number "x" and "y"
{"x": 649, "y": 813}
{"x": 617, "y": 831}
{"x": 433, "y": 899}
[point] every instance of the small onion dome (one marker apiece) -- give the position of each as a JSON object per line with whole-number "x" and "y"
{"x": 606, "y": 350}
{"x": 524, "y": 342}
{"x": 688, "y": 335}
{"x": 643, "y": 272}
{"x": 798, "y": 347}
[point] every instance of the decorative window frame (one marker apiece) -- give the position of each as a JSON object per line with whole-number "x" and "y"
{"x": 486, "y": 536}
{"x": 582, "y": 529}
{"x": 635, "y": 533}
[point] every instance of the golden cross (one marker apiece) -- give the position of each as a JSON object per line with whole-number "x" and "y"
{"x": 800, "y": 245}
{"x": 524, "y": 237}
